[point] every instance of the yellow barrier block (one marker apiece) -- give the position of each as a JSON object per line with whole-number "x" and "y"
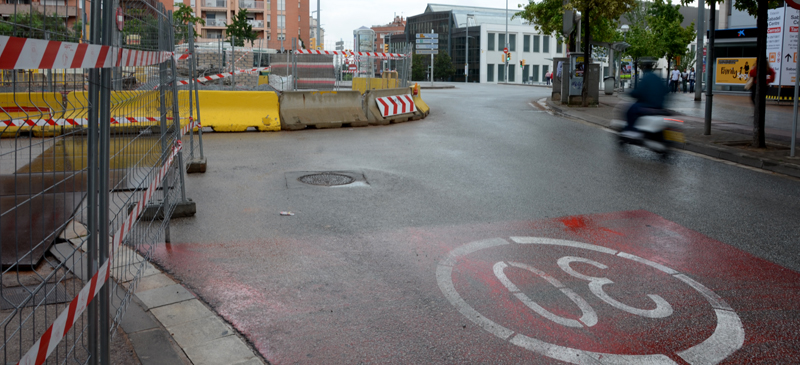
{"x": 422, "y": 106}
{"x": 235, "y": 111}
{"x": 30, "y": 106}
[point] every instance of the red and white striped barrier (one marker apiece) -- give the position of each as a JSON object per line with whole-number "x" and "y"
{"x": 64, "y": 322}
{"x": 224, "y": 75}
{"x": 74, "y": 122}
{"x": 182, "y": 57}
{"x": 24, "y": 54}
{"x": 397, "y": 104}
{"x": 348, "y": 53}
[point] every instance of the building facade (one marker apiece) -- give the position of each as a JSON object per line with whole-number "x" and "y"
{"x": 319, "y": 40}
{"x": 275, "y": 21}
{"x": 384, "y": 32}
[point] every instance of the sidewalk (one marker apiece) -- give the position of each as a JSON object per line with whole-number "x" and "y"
{"x": 731, "y": 128}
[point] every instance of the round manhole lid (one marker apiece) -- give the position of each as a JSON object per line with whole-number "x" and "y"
{"x": 326, "y": 179}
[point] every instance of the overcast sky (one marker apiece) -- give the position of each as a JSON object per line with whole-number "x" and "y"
{"x": 341, "y": 17}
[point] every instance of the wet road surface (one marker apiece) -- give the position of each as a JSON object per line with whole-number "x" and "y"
{"x": 490, "y": 232}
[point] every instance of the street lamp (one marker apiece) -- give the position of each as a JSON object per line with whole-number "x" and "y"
{"x": 466, "y": 49}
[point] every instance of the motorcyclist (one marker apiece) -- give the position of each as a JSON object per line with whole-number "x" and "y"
{"x": 650, "y": 93}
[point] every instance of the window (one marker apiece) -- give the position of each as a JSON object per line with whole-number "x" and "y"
{"x": 269, "y": 37}
{"x": 501, "y": 41}
{"x": 281, "y": 22}
{"x": 525, "y": 73}
{"x": 535, "y": 74}
{"x": 512, "y": 42}
{"x": 490, "y": 73}
{"x": 536, "y": 43}
{"x": 694, "y": 48}
{"x": 559, "y": 45}
{"x": 298, "y": 18}
{"x": 545, "y": 68}
{"x": 501, "y": 75}
{"x": 526, "y": 46}
{"x": 282, "y": 5}
{"x": 546, "y": 44}
{"x": 491, "y": 42}
{"x": 511, "y": 70}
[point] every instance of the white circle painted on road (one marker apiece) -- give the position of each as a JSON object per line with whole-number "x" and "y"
{"x": 726, "y": 339}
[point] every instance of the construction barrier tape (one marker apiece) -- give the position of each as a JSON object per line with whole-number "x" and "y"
{"x": 349, "y": 53}
{"x": 64, "y": 322}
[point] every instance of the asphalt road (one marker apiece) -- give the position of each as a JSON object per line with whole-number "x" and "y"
{"x": 367, "y": 272}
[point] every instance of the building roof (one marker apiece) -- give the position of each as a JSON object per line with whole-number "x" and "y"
{"x": 481, "y": 15}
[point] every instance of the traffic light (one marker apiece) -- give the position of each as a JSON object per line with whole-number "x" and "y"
{"x": 385, "y": 48}
{"x": 508, "y": 57}
{"x": 313, "y": 43}
{"x": 521, "y": 63}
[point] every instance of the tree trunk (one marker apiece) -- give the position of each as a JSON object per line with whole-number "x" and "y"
{"x": 760, "y": 110}
{"x": 587, "y": 55}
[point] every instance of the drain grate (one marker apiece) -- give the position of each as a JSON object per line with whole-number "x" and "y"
{"x": 326, "y": 179}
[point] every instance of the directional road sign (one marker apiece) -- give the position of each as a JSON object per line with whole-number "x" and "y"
{"x": 427, "y": 46}
{"x": 431, "y": 40}
{"x": 427, "y": 35}
{"x": 427, "y": 51}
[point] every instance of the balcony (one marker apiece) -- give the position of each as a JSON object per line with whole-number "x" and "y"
{"x": 251, "y": 4}
{"x": 215, "y": 3}
{"x": 256, "y": 23}
{"x": 216, "y": 23}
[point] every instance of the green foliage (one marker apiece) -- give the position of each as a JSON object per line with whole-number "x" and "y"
{"x": 443, "y": 66}
{"x": 665, "y": 20}
{"x": 418, "y": 68}
{"x": 687, "y": 61}
{"x": 140, "y": 31}
{"x": 181, "y": 18}
{"x": 547, "y": 17}
{"x": 38, "y": 26}
{"x": 751, "y": 6}
{"x": 240, "y": 29}
{"x": 642, "y": 38}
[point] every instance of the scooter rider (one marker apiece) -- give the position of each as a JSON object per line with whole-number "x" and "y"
{"x": 650, "y": 94}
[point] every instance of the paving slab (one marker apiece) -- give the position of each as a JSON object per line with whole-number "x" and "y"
{"x": 228, "y": 350}
{"x": 153, "y": 347}
{"x": 152, "y": 282}
{"x": 164, "y": 296}
{"x": 179, "y": 313}
{"x": 200, "y": 331}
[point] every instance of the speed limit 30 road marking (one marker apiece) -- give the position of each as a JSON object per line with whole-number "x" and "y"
{"x": 726, "y": 339}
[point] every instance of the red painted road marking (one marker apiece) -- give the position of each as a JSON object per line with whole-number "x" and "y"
{"x": 312, "y": 298}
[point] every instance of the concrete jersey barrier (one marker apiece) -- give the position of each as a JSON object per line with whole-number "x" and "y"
{"x": 321, "y": 109}
{"x": 374, "y": 113}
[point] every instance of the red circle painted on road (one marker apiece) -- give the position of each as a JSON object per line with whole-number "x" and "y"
{"x": 541, "y": 306}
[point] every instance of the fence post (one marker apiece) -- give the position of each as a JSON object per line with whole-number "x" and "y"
{"x": 162, "y": 86}
{"x": 93, "y": 172}
{"x": 197, "y": 103}
{"x": 176, "y": 116}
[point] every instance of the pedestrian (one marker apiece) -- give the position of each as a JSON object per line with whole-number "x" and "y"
{"x": 691, "y": 80}
{"x": 684, "y": 80}
{"x": 675, "y": 77}
{"x": 548, "y": 77}
{"x": 753, "y": 75}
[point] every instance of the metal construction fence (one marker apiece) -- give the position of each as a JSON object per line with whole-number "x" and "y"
{"x": 335, "y": 70}
{"x": 96, "y": 131}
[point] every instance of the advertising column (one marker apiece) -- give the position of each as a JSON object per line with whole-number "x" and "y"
{"x": 775, "y": 42}
{"x": 788, "y": 70}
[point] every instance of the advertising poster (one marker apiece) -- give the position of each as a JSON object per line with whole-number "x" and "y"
{"x": 775, "y": 24}
{"x": 733, "y": 71}
{"x": 626, "y": 68}
{"x": 789, "y": 57}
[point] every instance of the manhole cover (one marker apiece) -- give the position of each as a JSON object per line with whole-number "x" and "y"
{"x": 326, "y": 179}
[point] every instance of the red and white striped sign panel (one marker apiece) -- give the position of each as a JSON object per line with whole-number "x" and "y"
{"x": 349, "y": 53}
{"x": 395, "y": 105}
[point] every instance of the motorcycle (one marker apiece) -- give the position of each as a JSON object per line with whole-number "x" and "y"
{"x": 659, "y": 133}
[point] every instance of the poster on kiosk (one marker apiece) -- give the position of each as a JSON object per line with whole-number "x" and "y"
{"x": 782, "y": 45}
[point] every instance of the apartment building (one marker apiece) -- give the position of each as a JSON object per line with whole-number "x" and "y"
{"x": 382, "y": 32}
{"x": 275, "y": 21}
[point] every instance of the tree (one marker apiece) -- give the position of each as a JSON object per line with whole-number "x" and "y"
{"x": 600, "y": 16}
{"x": 665, "y": 21}
{"x": 240, "y": 29}
{"x": 141, "y": 30}
{"x": 641, "y": 37}
{"x": 182, "y": 17}
{"x": 687, "y": 61}
{"x": 418, "y": 68}
{"x": 759, "y": 9}
{"x": 443, "y": 66}
{"x": 39, "y": 26}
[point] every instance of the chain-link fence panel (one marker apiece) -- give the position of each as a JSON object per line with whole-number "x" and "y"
{"x": 91, "y": 169}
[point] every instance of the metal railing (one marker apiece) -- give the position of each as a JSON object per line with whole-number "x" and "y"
{"x": 256, "y": 23}
{"x": 250, "y": 4}
{"x": 215, "y": 3}
{"x": 88, "y": 156}
{"x": 216, "y": 23}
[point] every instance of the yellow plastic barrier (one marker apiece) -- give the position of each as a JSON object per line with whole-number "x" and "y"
{"x": 362, "y": 84}
{"x": 30, "y": 106}
{"x": 132, "y": 103}
{"x": 235, "y": 111}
